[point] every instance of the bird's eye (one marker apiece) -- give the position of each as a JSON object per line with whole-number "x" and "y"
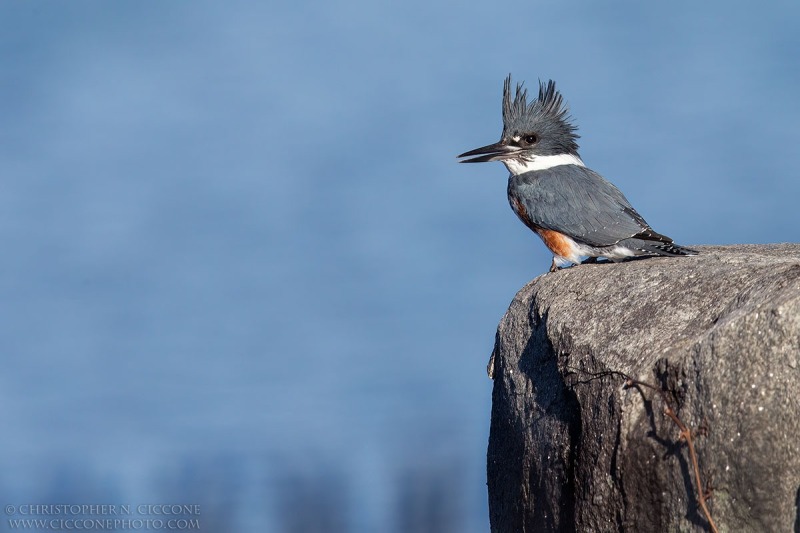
{"x": 530, "y": 139}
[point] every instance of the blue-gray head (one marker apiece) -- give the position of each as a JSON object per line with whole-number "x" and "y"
{"x": 535, "y": 136}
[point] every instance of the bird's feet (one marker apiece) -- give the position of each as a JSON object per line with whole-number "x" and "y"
{"x": 554, "y": 267}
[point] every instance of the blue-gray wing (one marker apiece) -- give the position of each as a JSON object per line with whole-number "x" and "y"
{"x": 578, "y": 202}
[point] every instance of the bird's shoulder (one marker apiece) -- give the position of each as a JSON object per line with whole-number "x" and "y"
{"x": 562, "y": 178}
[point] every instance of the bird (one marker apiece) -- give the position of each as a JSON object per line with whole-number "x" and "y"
{"x": 580, "y": 216}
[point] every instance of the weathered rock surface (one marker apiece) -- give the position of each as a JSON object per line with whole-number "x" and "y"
{"x": 572, "y": 449}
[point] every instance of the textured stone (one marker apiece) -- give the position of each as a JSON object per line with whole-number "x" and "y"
{"x": 572, "y": 449}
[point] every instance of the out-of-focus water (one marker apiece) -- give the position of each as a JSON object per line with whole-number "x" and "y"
{"x": 242, "y": 270}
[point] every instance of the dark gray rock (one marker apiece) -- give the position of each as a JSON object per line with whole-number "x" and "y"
{"x": 572, "y": 449}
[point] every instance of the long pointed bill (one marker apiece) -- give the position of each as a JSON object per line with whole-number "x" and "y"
{"x": 493, "y": 152}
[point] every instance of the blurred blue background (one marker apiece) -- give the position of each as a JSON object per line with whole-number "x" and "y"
{"x": 242, "y": 268}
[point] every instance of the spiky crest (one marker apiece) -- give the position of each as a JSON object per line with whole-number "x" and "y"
{"x": 547, "y": 113}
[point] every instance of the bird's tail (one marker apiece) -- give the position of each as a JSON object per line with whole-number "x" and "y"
{"x": 657, "y": 247}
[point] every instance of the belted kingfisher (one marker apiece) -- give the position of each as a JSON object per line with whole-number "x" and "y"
{"x": 579, "y": 215}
